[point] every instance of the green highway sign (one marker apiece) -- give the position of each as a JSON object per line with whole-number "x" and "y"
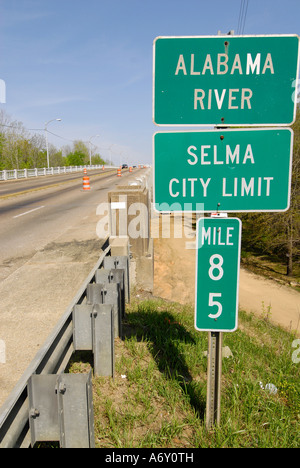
{"x": 217, "y": 274}
{"x": 225, "y": 80}
{"x": 228, "y": 170}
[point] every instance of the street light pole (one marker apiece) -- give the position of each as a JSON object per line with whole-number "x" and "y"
{"x": 95, "y": 136}
{"x": 110, "y": 149}
{"x": 46, "y": 132}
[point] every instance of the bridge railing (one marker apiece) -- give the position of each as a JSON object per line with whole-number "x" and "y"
{"x": 39, "y": 172}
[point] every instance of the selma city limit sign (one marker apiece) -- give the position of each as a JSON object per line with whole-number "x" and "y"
{"x": 225, "y": 80}
{"x": 239, "y": 170}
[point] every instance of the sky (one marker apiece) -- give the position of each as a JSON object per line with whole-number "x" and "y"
{"x": 89, "y": 62}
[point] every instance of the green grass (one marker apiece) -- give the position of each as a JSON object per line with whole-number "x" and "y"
{"x": 158, "y": 396}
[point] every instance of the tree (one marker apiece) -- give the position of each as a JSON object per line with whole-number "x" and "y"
{"x": 19, "y": 149}
{"x": 38, "y": 151}
{"x": 2, "y": 143}
{"x": 80, "y": 147}
{"x": 96, "y": 159}
{"x": 76, "y": 158}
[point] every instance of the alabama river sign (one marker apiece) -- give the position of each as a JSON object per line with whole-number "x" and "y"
{"x": 231, "y": 80}
{"x": 217, "y": 274}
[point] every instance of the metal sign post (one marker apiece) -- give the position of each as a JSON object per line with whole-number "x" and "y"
{"x": 214, "y": 374}
{"x": 216, "y": 305}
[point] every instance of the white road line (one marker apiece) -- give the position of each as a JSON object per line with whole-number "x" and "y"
{"x": 27, "y": 212}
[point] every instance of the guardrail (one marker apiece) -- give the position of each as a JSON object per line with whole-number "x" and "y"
{"x": 39, "y": 172}
{"x": 22, "y": 422}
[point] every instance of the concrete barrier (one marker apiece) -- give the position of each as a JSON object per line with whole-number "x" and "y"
{"x": 130, "y": 217}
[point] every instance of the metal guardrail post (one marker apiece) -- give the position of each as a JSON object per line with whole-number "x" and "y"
{"x": 103, "y": 340}
{"x": 113, "y": 276}
{"x": 119, "y": 262}
{"x": 61, "y": 409}
{"x": 107, "y": 294}
{"x": 94, "y": 331}
{"x": 99, "y": 320}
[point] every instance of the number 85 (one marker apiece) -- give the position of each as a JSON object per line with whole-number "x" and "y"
{"x": 216, "y": 262}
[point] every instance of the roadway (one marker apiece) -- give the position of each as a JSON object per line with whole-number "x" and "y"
{"x": 49, "y": 244}
{"x": 34, "y": 212}
{"x": 12, "y": 187}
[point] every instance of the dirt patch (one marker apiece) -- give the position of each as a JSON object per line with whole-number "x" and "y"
{"x": 64, "y": 252}
{"x": 174, "y": 279}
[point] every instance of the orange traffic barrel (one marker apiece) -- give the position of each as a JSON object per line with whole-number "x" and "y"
{"x": 86, "y": 183}
{"x": 119, "y": 172}
{"x": 130, "y": 169}
{"x": 84, "y": 170}
{"x": 102, "y": 168}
